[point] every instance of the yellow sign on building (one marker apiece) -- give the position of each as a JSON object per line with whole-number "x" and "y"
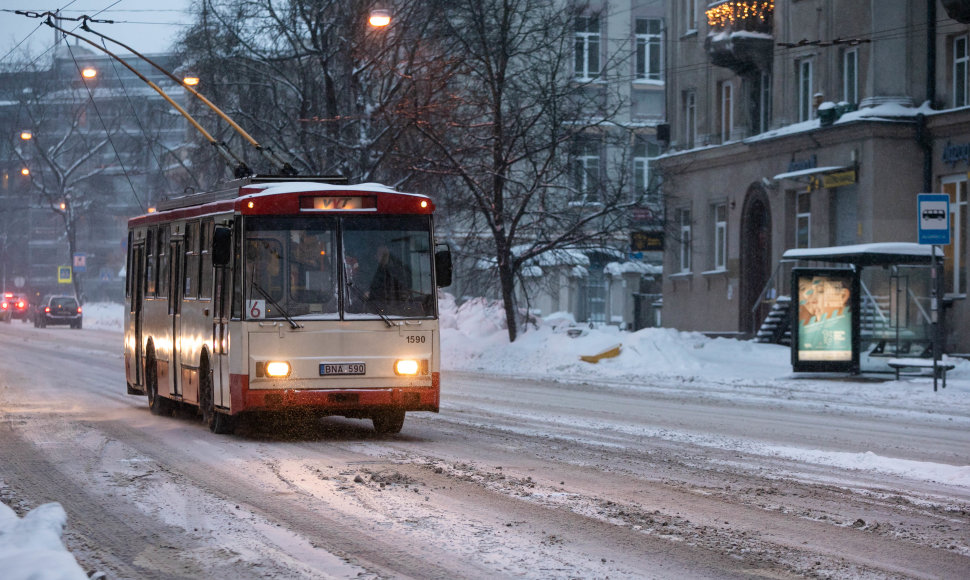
{"x": 838, "y": 179}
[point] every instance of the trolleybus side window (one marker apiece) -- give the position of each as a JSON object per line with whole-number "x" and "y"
{"x": 163, "y": 259}
{"x": 150, "y": 265}
{"x": 190, "y": 285}
{"x": 205, "y": 247}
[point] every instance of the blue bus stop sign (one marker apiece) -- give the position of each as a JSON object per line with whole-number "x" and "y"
{"x": 934, "y": 218}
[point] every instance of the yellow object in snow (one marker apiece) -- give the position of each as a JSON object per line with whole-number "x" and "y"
{"x": 611, "y": 352}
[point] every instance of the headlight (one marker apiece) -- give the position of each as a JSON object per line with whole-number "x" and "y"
{"x": 277, "y": 369}
{"x": 406, "y": 367}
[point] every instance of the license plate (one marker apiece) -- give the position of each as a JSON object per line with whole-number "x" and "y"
{"x": 354, "y": 368}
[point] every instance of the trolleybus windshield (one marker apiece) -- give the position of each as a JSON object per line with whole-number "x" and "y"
{"x": 295, "y": 267}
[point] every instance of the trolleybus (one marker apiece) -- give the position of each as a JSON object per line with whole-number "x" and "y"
{"x": 286, "y": 294}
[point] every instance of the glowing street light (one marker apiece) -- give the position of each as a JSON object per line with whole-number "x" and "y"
{"x": 89, "y": 72}
{"x": 25, "y": 171}
{"x": 26, "y": 135}
{"x": 379, "y": 18}
{"x": 190, "y": 80}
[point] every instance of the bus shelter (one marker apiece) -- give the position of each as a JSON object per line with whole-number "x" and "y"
{"x": 854, "y": 308}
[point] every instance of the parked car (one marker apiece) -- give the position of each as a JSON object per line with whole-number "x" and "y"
{"x": 58, "y": 310}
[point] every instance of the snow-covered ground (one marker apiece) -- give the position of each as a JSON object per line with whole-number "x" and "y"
{"x": 474, "y": 339}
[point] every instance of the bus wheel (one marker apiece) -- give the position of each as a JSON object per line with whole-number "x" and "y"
{"x": 388, "y": 422}
{"x": 157, "y": 405}
{"x": 218, "y": 423}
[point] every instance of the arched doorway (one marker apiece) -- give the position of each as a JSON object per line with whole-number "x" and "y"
{"x": 755, "y": 256}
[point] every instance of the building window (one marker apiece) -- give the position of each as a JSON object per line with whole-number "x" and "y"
{"x": 644, "y": 151}
{"x": 683, "y": 219}
{"x": 727, "y": 110}
{"x": 803, "y": 220}
{"x": 805, "y": 91}
{"x": 955, "y": 254}
{"x": 850, "y": 76}
{"x": 763, "y": 118}
{"x": 690, "y": 15}
{"x": 961, "y": 63}
{"x": 690, "y": 118}
{"x": 719, "y": 213}
{"x": 586, "y": 170}
{"x": 649, "y": 58}
{"x": 587, "y": 65}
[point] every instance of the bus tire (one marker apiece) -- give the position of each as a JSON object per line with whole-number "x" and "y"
{"x": 218, "y": 423}
{"x": 388, "y": 422}
{"x": 156, "y": 404}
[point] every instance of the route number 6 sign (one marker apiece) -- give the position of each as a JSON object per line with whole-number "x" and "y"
{"x": 256, "y": 308}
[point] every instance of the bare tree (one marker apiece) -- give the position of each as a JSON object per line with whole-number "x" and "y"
{"x": 515, "y": 130}
{"x": 310, "y": 79}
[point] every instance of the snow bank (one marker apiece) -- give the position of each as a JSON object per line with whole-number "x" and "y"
{"x": 31, "y": 547}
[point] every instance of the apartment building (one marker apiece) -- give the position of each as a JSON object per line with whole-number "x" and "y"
{"x": 808, "y": 124}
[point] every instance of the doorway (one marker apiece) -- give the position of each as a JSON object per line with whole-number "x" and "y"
{"x": 755, "y": 258}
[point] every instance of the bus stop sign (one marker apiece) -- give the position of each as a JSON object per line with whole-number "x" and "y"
{"x": 934, "y": 218}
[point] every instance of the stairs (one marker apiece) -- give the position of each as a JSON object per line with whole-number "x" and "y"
{"x": 776, "y": 328}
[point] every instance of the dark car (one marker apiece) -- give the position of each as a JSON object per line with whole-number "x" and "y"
{"x": 58, "y": 310}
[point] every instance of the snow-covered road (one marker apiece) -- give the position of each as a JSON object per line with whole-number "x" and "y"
{"x": 520, "y": 475}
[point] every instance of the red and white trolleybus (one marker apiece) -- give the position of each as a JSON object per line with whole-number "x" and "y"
{"x": 286, "y": 294}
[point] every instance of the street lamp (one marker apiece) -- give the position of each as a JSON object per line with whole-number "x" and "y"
{"x": 190, "y": 80}
{"x": 26, "y": 135}
{"x": 89, "y": 72}
{"x": 25, "y": 171}
{"x": 379, "y": 18}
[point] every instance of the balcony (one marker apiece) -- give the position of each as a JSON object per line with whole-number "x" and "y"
{"x": 958, "y": 10}
{"x": 740, "y": 34}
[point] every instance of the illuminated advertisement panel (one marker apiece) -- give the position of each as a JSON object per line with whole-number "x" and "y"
{"x": 825, "y": 320}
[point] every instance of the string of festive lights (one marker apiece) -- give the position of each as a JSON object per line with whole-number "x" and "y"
{"x": 733, "y": 12}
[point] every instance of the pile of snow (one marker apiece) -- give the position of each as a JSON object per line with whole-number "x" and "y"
{"x": 31, "y": 547}
{"x": 103, "y": 315}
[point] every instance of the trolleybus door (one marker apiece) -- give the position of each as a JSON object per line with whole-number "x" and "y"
{"x": 137, "y": 302}
{"x": 175, "y": 312}
{"x": 220, "y": 338}
{"x": 221, "y": 286}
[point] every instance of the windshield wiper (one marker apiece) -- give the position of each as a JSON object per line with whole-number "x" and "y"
{"x": 293, "y": 323}
{"x": 376, "y": 306}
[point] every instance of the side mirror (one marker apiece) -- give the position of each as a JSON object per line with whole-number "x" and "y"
{"x": 221, "y": 245}
{"x": 442, "y": 266}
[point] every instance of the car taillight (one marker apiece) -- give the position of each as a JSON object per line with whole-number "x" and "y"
{"x": 21, "y": 304}
{"x": 78, "y": 309}
{"x": 47, "y": 309}
{"x": 4, "y": 306}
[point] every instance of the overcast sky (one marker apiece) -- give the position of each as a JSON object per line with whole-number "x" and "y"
{"x": 148, "y": 26}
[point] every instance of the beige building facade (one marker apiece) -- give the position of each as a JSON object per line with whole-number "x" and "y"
{"x": 807, "y": 124}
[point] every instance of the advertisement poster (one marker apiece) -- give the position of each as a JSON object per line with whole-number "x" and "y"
{"x": 825, "y": 321}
